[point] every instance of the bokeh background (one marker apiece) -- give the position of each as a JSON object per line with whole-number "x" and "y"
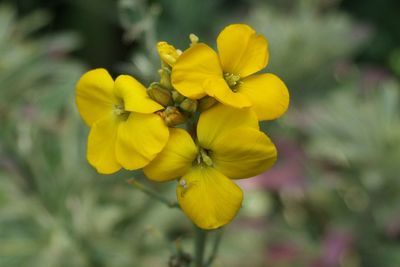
{"x": 332, "y": 200}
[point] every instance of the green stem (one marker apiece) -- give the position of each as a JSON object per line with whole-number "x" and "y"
{"x": 150, "y": 192}
{"x": 214, "y": 252}
{"x": 200, "y": 245}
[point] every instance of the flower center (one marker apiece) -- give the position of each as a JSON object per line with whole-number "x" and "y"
{"x": 232, "y": 80}
{"x": 120, "y": 111}
{"x": 204, "y": 157}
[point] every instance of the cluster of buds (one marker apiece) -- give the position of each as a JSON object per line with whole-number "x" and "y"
{"x": 178, "y": 108}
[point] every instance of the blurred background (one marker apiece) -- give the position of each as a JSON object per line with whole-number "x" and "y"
{"x": 332, "y": 200}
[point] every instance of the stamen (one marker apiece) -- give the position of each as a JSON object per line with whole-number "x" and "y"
{"x": 205, "y": 157}
{"x": 198, "y": 159}
{"x": 119, "y": 110}
{"x": 232, "y": 80}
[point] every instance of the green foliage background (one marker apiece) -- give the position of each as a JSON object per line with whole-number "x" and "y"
{"x": 332, "y": 199}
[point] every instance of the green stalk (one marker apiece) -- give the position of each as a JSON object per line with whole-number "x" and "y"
{"x": 214, "y": 251}
{"x": 153, "y": 194}
{"x": 200, "y": 246}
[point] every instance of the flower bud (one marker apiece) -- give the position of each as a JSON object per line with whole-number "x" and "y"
{"x": 167, "y": 53}
{"x": 159, "y": 94}
{"x": 206, "y": 103}
{"x": 193, "y": 39}
{"x": 177, "y": 97}
{"x": 189, "y": 105}
{"x": 165, "y": 77}
{"x": 172, "y": 116}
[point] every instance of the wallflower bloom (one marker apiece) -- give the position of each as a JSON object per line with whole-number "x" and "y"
{"x": 230, "y": 76}
{"x": 124, "y": 131}
{"x": 229, "y": 145}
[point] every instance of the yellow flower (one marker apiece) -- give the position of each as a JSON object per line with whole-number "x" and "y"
{"x": 229, "y": 146}
{"x": 230, "y": 76}
{"x": 124, "y": 131}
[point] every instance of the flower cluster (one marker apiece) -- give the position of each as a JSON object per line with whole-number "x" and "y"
{"x": 220, "y": 98}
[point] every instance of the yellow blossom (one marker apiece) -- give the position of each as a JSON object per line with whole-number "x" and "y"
{"x": 229, "y": 146}
{"x": 124, "y": 131}
{"x": 230, "y": 75}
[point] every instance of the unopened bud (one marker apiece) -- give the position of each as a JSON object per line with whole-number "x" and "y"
{"x": 160, "y": 94}
{"x": 172, "y": 116}
{"x": 165, "y": 77}
{"x": 177, "y": 97}
{"x": 193, "y": 39}
{"x": 167, "y": 53}
{"x": 206, "y": 103}
{"x": 189, "y": 105}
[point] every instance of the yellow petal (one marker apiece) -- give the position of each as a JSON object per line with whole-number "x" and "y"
{"x": 140, "y": 138}
{"x": 95, "y": 96}
{"x": 241, "y": 50}
{"x": 220, "y": 119}
{"x": 193, "y": 67}
{"x": 101, "y": 145}
{"x": 208, "y": 198}
{"x": 242, "y": 153}
{"x": 134, "y": 95}
{"x": 175, "y": 159}
{"x": 218, "y": 88}
{"x": 268, "y": 94}
{"x": 167, "y": 53}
